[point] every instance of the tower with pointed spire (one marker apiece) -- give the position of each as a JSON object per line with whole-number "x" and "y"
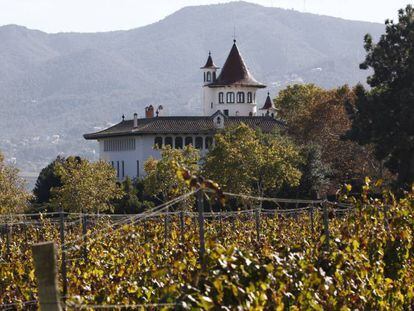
{"x": 234, "y": 91}
{"x": 269, "y": 108}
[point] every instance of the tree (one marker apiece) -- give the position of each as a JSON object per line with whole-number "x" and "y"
{"x": 249, "y": 162}
{"x": 318, "y": 116}
{"x": 384, "y": 116}
{"x": 47, "y": 180}
{"x": 86, "y": 186}
{"x": 161, "y": 179}
{"x": 315, "y": 173}
{"x": 295, "y": 104}
{"x": 13, "y": 195}
{"x": 130, "y": 203}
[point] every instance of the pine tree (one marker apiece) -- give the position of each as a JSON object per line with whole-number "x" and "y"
{"x": 384, "y": 115}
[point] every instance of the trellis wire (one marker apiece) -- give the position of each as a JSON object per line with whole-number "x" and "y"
{"x": 125, "y": 306}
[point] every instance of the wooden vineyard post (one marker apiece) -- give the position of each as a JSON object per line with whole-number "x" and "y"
{"x": 182, "y": 226}
{"x": 166, "y": 226}
{"x": 221, "y": 223}
{"x": 257, "y": 219}
{"x": 145, "y": 230}
{"x": 8, "y": 240}
{"x": 84, "y": 231}
{"x": 44, "y": 258}
{"x": 326, "y": 225}
{"x": 312, "y": 220}
{"x": 233, "y": 222}
{"x": 63, "y": 248}
{"x": 200, "y": 208}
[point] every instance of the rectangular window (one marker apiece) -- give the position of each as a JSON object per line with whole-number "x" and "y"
{"x": 123, "y": 169}
{"x": 117, "y": 169}
{"x": 137, "y": 168}
{"x": 226, "y": 112}
{"x": 124, "y": 144}
{"x": 199, "y": 142}
{"x": 230, "y": 97}
{"x": 240, "y": 97}
{"x": 249, "y": 97}
{"x": 221, "y": 97}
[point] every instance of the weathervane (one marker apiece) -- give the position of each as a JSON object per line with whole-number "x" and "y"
{"x": 234, "y": 33}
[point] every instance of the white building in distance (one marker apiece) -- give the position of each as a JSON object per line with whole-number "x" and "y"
{"x": 228, "y": 99}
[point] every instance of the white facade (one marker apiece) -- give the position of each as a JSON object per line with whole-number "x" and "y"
{"x": 231, "y": 100}
{"x": 128, "y": 158}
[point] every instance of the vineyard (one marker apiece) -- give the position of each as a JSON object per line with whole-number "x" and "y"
{"x": 282, "y": 255}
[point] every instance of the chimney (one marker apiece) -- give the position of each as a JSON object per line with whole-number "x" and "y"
{"x": 149, "y": 111}
{"x": 135, "y": 120}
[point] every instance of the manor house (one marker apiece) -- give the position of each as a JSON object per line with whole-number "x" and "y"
{"x": 229, "y": 98}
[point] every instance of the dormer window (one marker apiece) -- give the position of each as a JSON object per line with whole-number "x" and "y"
{"x": 219, "y": 121}
{"x": 240, "y": 97}
{"x": 249, "y": 97}
{"x": 221, "y": 98}
{"x": 230, "y": 97}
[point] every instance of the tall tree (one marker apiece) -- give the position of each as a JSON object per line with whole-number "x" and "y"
{"x": 249, "y": 162}
{"x": 318, "y": 116}
{"x": 86, "y": 186}
{"x": 13, "y": 195}
{"x": 315, "y": 173}
{"x": 384, "y": 116}
{"x": 130, "y": 202}
{"x": 47, "y": 180}
{"x": 161, "y": 179}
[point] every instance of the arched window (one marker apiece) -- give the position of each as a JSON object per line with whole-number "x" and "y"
{"x": 214, "y": 76}
{"x": 209, "y": 142}
{"x": 240, "y": 97}
{"x": 199, "y": 142}
{"x": 230, "y": 97}
{"x": 158, "y": 142}
{"x": 211, "y": 105}
{"x": 189, "y": 141}
{"x": 204, "y": 77}
{"x": 221, "y": 97}
{"x": 249, "y": 97}
{"x": 168, "y": 141}
{"x": 178, "y": 142}
{"x": 208, "y": 76}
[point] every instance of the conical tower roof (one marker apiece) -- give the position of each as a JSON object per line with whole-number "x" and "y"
{"x": 235, "y": 72}
{"x": 209, "y": 63}
{"x": 269, "y": 105}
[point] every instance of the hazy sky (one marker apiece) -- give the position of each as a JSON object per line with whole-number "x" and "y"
{"x": 103, "y": 15}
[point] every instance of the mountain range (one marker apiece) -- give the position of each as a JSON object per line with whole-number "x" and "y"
{"x": 55, "y": 87}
